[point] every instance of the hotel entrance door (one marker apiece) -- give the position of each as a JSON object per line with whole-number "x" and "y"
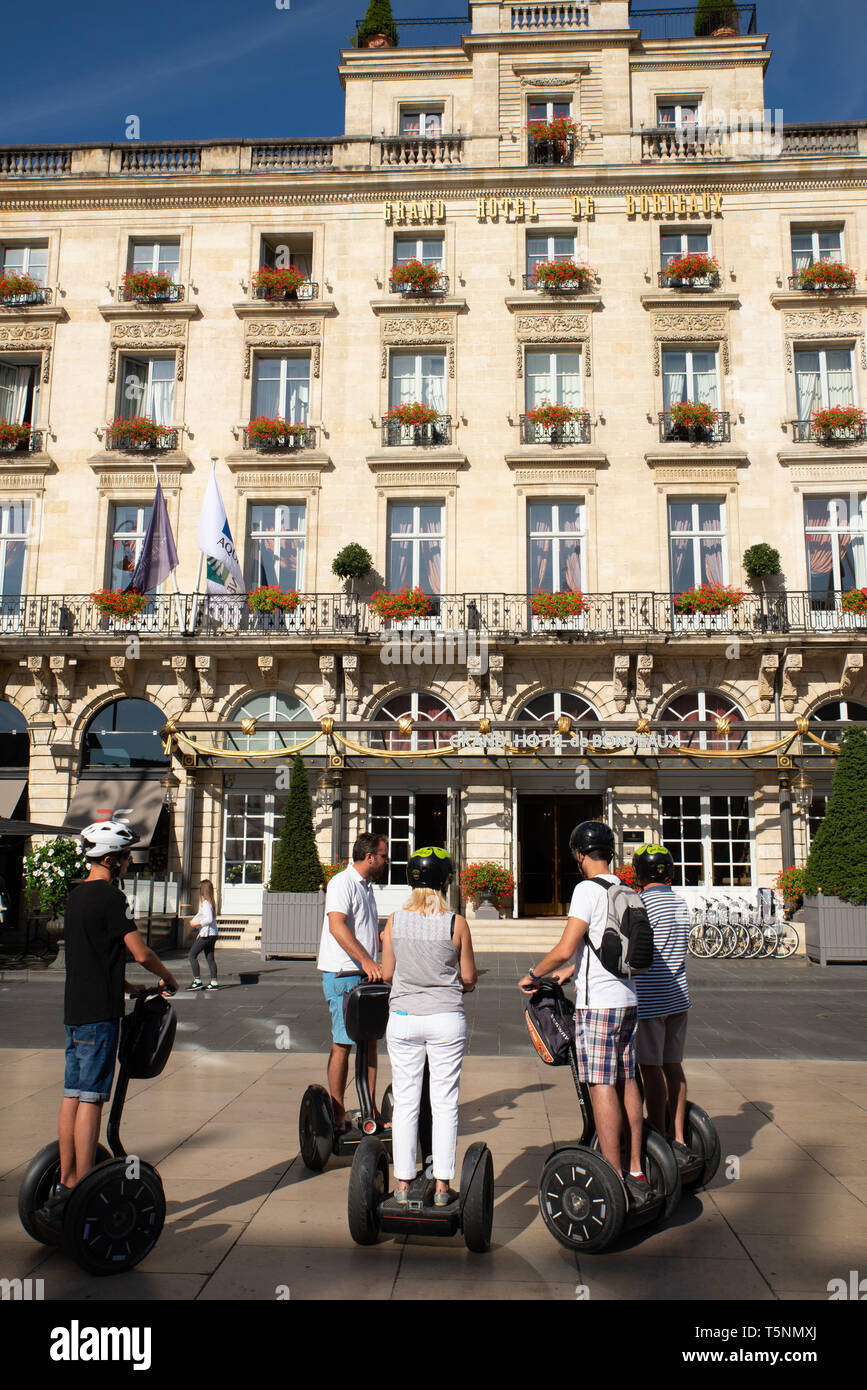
{"x": 547, "y": 872}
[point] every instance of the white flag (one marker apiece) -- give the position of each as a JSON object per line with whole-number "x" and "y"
{"x": 215, "y": 540}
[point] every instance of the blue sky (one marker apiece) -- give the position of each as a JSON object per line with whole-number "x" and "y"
{"x": 199, "y": 71}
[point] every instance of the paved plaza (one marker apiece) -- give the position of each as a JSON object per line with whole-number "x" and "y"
{"x": 245, "y": 1216}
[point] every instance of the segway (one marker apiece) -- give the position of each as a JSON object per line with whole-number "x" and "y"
{"x": 366, "y": 1019}
{"x": 582, "y": 1198}
{"x": 374, "y": 1212}
{"x": 115, "y": 1214}
{"x": 701, "y": 1137}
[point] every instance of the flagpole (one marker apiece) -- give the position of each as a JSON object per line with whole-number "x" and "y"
{"x": 201, "y": 562}
{"x": 179, "y": 609}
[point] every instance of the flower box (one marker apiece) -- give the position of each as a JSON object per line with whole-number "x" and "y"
{"x": 563, "y": 611}
{"x": 404, "y": 603}
{"x": 147, "y": 285}
{"x": 22, "y": 287}
{"x": 691, "y": 271}
{"x": 563, "y": 276}
{"x": 414, "y": 277}
{"x": 138, "y": 434}
{"x": 854, "y": 601}
{"x": 13, "y": 438}
{"x": 838, "y": 420}
{"x": 555, "y": 139}
{"x": 412, "y": 413}
{"x": 283, "y": 283}
{"x": 826, "y": 275}
{"x": 270, "y": 598}
{"x": 274, "y": 432}
{"x": 119, "y": 603}
{"x": 708, "y": 600}
{"x": 688, "y": 419}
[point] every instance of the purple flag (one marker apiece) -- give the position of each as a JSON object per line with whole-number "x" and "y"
{"x": 158, "y": 555}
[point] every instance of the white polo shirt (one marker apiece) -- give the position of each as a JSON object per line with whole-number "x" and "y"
{"x": 352, "y": 895}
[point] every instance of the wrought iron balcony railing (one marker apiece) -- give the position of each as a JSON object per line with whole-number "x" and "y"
{"x": 804, "y": 430}
{"x": 441, "y": 287}
{"x": 567, "y": 287}
{"x": 717, "y": 433}
{"x": 282, "y": 443}
{"x": 680, "y": 23}
{"x": 42, "y": 295}
{"x": 435, "y": 432}
{"x": 550, "y": 151}
{"x": 822, "y": 289}
{"x": 172, "y": 294}
{"x": 308, "y": 289}
{"x": 28, "y": 444}
{"x": 167, "y": 440}
{"x": 698, "y": 282}
{"x": 605, "y": 617}
{"x": 575, "y": 431}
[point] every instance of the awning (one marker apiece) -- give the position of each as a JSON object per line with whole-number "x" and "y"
{"x": 136, "y": 801}
{"x": 26, "y": 828}
{"x": 10, "y": 794}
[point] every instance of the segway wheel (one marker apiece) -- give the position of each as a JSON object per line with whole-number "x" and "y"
{"x": 368, "y": 1187}
{"x": 113, "y": 1221}
{"x": 386, "y": 1109}
{"x": 582, "y": 1200}
{"x": 660, "y": 1167}
{"x": 477, "y": 1211}
{"x": 316, "y": 1128}
{"x": 702, "y": 1138}
{"x": 42, "y": 1174}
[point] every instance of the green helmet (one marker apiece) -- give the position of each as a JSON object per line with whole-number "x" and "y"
{"x": 430, "y": 867}
{"x": 653, "y": 862}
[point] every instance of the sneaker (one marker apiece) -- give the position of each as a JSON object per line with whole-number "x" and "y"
{"x": 197, "y": 984}
{"x": 51, "y": 1214}
{"x": 212, "y": 985}
{"x": 639, "y": 1190}
{"x": 685, "y": 1157}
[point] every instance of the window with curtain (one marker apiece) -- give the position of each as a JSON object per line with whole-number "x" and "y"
{"x": 538, "y": 110}
{"x": 30, "y": 259}
{"x": 14, "y": 540}
{"x": 556, "y": 538}
{"x": 160, "y": 257}
{"x": 683, "y": 114}
{"x": 674, "y": 244}
{"x": 689, "y": 375}
{"x": 417, "y": 376}
{"x": 430, "y": 250}
{"x": 554, "y": 377}
{"x": 823, "y": 377}
{"x": 19, "y": 392}
{"x": 418, "y": 124}
{"x": 128, "y": 522}
{"x": 416, "y": 531}
{"x": 834, "y": 530}
{"x": 278, "y": 253}
{"x": 275, "y": 544}
{"x": 551, "y": 246}
{"x": 813, "y": 244}
{"x": 423, "y": 709}
{"x": 281, "y": 387}
{"x": 147, "y": 388}
{"x": 702, "y": 707}
{"x": 709, "y": 839}
{"x": 696, "y": 543}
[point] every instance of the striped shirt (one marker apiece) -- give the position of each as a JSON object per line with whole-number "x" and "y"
{"x": 662, "y": 989}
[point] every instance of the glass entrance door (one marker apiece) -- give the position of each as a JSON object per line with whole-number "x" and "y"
{"x": 547, "y": 871}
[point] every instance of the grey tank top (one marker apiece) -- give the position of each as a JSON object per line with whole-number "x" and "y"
{"x": 426, "y": 975}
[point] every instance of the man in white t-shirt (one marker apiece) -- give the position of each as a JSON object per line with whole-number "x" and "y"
{"x": 606, "y": 1008}
{"x": 347, "y": 954}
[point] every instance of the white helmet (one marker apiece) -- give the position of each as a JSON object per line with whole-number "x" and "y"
{"x": 106, "y": 837}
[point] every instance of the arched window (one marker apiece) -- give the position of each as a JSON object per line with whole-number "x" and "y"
{"x": 547, "y": 708}
{"x": 837, "y": 712}
{"x": 422, "y": 709}
{"x": 703, "y": 707}
{"x": 125, "y": 734}
{"x": 271, "y": 707}
{"x": 14, "y": 743}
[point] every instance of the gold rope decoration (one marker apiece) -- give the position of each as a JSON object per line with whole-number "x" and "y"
{"x": 258, "y": 755}
{"x": 831, "y": 747}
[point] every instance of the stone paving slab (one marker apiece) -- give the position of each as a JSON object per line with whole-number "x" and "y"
{"x": 246, "y": 1218}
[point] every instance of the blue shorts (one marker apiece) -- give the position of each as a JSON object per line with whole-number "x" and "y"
{"x": 91, "y": 1049}
{"x": 334, "y": 987}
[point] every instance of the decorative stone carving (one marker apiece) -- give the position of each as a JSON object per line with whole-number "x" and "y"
{"x": 29, "y": 337}
{"x": 566, "y": 79}
{"x": 284, "y": 333}
{"x": 853, "y": 665}
{"x": 122, "y": 670}
{"x": 327, "y": 671}
{"x": 63, "y": 670}
{"x": 769, "y": 665}
{"x": 643, "y": 675}
{"x": 695, "y": 325}
{"x": 267, "y": 669}
{"x": 474, "y": 683}
{"x": 496, "y": 663}
{"x": 696, "y": 473}
{"x": 823, "y": 322}
{"x": 555, "y": 327}
{"x": 554, "y": 475}
{"x": 206, "y": 670}
{"x": 184, "y": 673}
{"x": 149, "y": 335}
{"x": 443, "y": 477}
{"x": 38, "y": 668}
{"x": 620, "y": 680}
{"x": 247, "y": 481}
{"x": 351, "y": 678}
{"x": 791, "y": 676}
{"x": 418, "y": 330}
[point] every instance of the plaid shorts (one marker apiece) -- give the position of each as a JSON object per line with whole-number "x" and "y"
{"x": 605, "y": 1041}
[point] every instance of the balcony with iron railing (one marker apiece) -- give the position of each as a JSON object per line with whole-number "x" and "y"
{"x": 290, "y": 441}
{"x": 19, "y": 439}
{"x": 561, "y": 152}
{"x": 161, "y": 439}
{"x": 429, "y": 434}
{"x": 679, "y": 22}
{"x": 27, "y": 298}
{"x": 271, "y": 294}
{"x": 170, "y": 294}
{"x": 699, "y": 284}
{"x": 848, "y": 287}
{"x": 804, "y": 431}
{"x": 605, "y": 617}
{"x": 579, "y": 286}
{"x": 441, "y": 287}
{"x": 575, "y": 431}
{"x": 717, "y": 432}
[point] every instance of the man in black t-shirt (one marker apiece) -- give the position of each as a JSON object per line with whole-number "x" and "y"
{"x": 98, "y": 931}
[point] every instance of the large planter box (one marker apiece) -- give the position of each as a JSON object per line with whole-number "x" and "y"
{"x": 292, "y": 923}
{"x": 834, "y": 930}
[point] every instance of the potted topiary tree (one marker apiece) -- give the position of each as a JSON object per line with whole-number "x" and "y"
{"x": 353, "y": 562}
{"x": 378, "y": 29}
{"x": 761, "y": 562}
{"x": 293, "y": 904}
{"x": 718, "y": 18}
{"x": 835, "y": 876}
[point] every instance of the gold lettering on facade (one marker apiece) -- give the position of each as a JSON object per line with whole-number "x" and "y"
{"x": 630, "y": 205}
{"x": 413, "y": 212}
{"x": 519, "y": 209}
{"x": 532, "y": 212}
{"x": 591, "y": 207}
{"x": 645, "y": 205}
{"x": 441, "y": 210}
{"x": 693, "y": 203}
{"x": 717, "y": 204}
{"x": 386, "y": 208}
{"x": 669, "y": 204}
{"x": 681, "y": 203}
{"x": 657, "y": 204}
{"x": 481, "y": 205}
{"x": 705, "y": 202}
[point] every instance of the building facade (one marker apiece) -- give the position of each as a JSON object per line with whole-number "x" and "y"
{"x": 541, "y": 135}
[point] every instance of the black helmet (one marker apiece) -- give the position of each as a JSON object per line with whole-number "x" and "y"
{"x": 593, "y": 837}
{"x": 429, "y": 868}
{"x": 653, "y": 862}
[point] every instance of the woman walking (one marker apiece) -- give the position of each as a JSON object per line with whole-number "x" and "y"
{"x": 427, "y": 955}
{"x": 206, "y": 921}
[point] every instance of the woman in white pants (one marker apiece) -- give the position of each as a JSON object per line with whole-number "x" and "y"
{"x": 427, "y": 955}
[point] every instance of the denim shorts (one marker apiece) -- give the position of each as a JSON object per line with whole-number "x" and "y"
{"x": 91, "y": 1049}
{"x": 334, "y": 987}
